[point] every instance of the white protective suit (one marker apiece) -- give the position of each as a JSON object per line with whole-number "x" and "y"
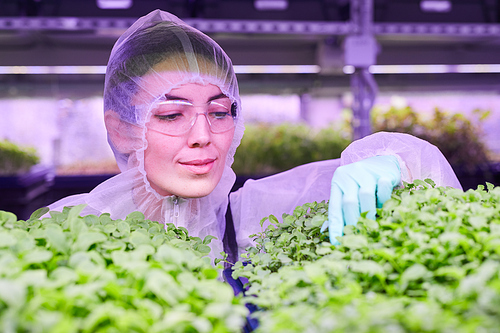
{"x": 161, "y": 38}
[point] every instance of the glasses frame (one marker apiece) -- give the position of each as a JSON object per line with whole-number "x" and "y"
{"x": 232, "y": 112}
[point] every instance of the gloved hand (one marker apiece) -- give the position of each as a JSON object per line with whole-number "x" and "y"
{"x": 360, "y": 187}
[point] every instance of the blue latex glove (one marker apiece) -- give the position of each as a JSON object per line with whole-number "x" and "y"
{"x": 360, "y": 187}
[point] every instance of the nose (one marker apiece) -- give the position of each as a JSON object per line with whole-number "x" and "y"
{"x": 200, "y": 134}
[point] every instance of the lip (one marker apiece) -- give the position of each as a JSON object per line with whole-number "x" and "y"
{"x": 199, "y": 167}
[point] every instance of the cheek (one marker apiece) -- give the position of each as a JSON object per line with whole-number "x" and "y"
{"x": 159, "y": 153}
{"x": 225, "y": 142}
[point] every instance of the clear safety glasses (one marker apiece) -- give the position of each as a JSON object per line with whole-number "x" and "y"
{"x": 177, "y": 117}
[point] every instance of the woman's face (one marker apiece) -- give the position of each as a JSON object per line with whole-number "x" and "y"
{"x": 191, "y": 164}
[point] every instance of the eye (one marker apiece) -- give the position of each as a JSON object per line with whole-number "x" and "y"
{"x": 219, "y": 115}
{"x": 171, "y": 110}
{"x": 169, "y": 117}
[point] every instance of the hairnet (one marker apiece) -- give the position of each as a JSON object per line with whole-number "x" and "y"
{"x": 159, "y": 42}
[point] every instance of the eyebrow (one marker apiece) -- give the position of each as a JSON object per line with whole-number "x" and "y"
{"x": 176, "y": 98}
{"x": 213, "y": 98}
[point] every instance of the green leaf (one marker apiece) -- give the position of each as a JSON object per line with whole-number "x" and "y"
{"x": 153, "y": 309}
{"x": 75, "y": 211}
{"x": 106, "y": 219}
{"x": 210, "y": 273}
{"x": 299, "y": 211}
{"x": 12, "y": 293}
{"x": 478, "y": 222}
{"x": 87, "y": 239}
{"x": 39, "y": 213}
{"x": 422, "y": 183}
{"x": 37, "y": 256}
{"x": 138, "y": 238}
{"x": 62, "y": 276}
{"x": 7, "y": 217}
{"x": 273, "y": 219}
{"x": 414, "y": 272}
{"x": 136, "y": 216}
{"x": 325, "y": 249}
{"x": 452, "y": 272}
{"x": 120, "y": 258}
{"x": 316, "y": 221}
{"x": 110, "y": 228}
{"x": 366, "y": 267}
{"x": 123, "y": 228}
{"x": 91, "y": 220}
{"x": 430, "y": 182}
{"x": 56, "y": 238}
{"x": 208, "y": 239}
{"x": 164, "y": 286}
{"x": 316, "y": 273}
{"x": 76, "y": 224}
{"x": 7, "y": 239}
{"x": 35, "y": 278}
{"x": 452, "y": 237}
{"x": 354, "y": 242}
{"x": 113, "y": 245}
{"x": 203, "y": 249}
{"x": 263, "y": 220}
{"x": 369, "y": 224}
{"x": 284, "y": 258}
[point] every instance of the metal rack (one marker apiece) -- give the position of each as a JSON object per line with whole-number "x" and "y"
{"x": 101, "y": 24}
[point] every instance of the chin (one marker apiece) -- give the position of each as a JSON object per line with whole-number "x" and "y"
{"x": 186, "y": 187}
{"x": 193, "y": 195}
{"x": 202, "y": 189}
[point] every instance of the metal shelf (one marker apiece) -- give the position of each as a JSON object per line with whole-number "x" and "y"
{"x": 255, "y": 26}
{"x": 437, "y": 29}
{"x": 213, "y": 26}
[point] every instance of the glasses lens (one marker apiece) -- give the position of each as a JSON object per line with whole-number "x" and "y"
{"x": 171, "y": 117}
{"x": 219, "y": 116}
{"x": 176, "y": 117}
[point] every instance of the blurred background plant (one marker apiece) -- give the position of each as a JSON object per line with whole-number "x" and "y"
{"x": 459, "y": 138}
{"x": 16, "y": 159}
{"x": 104, "y": 167}
{"x": 267, "y": 149}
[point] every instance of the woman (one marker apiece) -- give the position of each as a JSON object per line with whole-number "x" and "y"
{"x": 172, "y": 113}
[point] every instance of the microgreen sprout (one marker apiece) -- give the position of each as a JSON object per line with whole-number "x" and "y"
{"x": 430, "y": 261}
